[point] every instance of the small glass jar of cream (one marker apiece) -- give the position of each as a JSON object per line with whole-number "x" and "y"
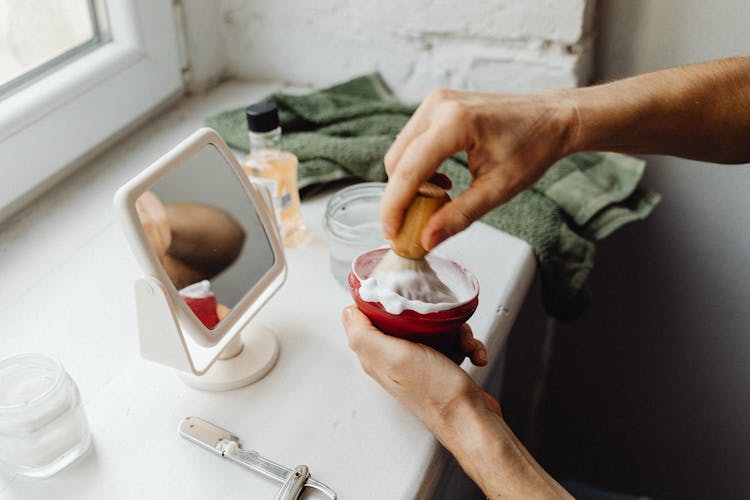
{"x": 42, "y": 424}
{"x": 352, "y": 223}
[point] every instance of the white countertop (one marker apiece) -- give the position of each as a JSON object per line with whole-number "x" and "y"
{"x": 67, "y": 277}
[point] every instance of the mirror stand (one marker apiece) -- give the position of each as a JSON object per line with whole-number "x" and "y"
{"x": 194, "y": 221}
{"x": 242, "y": 362}
{"x": 247, "y": 357}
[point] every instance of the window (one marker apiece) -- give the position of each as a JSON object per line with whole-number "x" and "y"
{"x": 105, "y": 64}
{"x": 32, "y": 44}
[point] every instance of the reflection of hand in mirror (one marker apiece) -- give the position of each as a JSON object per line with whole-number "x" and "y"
{"x": 153, "y": 217}
{"x": 193, "y": 242}
{"x": 204, "y": 238}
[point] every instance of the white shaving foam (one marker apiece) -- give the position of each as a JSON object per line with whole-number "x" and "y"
{"x": 381, "y": 288}
{"x": 199, "y": 290}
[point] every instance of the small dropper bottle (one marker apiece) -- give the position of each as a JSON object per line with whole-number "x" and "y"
{"x": 276, "y": 168}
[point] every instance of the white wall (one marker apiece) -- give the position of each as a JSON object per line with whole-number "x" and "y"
{"x": 417, "y": 45}
{"x": 650, "y": 391}
{"x": 206, "y": 44}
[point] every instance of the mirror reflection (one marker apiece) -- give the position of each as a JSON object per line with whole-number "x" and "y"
{"x": 206, "y": 233}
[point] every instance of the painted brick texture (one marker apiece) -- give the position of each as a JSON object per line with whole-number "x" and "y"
{"x": 493, "y": 45}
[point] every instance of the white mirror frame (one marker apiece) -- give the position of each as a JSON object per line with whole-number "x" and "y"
{"x": 169, "y": 332}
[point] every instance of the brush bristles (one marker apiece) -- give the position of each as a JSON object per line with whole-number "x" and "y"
{"x": 393, "y": 263}
{"x": 413, "y": 279}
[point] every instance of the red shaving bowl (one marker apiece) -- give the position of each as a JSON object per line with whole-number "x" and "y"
{"x": 205, "y": 309}
{"x": 439, "y": 330}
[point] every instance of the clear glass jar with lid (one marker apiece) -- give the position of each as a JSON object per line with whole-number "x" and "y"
{"x": 42, "y": 424}
{"x": 352, "y": 224}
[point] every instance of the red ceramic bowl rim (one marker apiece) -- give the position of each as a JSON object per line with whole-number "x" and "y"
{"x": 459, "y": 310}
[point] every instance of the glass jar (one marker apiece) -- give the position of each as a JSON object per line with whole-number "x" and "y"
{"x": 352, "y": 223}
{"x": 42, "y": 424}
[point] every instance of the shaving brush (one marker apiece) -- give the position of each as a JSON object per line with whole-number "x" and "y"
{"x": 404, "y": 268}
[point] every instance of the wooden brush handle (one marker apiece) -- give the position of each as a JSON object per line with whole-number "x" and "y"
{"x": 430, "y": 197}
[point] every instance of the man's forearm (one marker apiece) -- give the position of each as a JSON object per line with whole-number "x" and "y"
{"x": 701, "y": 111}
{"x": 492, "y": 456}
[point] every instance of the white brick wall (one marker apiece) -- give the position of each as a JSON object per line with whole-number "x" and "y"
{"x": 502, "y": 45}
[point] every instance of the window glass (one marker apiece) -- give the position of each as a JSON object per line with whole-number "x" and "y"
{"x": 37, "y": 35}
{"x": 73, "y": 80}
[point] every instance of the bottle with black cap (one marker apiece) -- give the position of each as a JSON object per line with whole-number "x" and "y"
{"x": 268, "y": 165}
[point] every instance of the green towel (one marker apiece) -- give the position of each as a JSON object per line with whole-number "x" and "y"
{"x": 343, "y": 132}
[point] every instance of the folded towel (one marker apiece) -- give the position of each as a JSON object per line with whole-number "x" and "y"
{"x": 343, "y": 132}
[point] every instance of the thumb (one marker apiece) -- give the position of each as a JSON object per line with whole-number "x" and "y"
{"x": 363, "y": 338}
{"x": 370, "y": 344}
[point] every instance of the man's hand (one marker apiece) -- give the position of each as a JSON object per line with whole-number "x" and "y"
{"x": 697, "y": 111}
{"x": 510, "y": 141}
{"x": 464, "y": 418}
{"x": 425, "y": 381}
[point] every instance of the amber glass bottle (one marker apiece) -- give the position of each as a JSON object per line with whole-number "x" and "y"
{"x": 275, "y": 168}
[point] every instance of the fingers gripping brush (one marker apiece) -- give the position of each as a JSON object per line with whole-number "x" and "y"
{"x": 404, "y": 268}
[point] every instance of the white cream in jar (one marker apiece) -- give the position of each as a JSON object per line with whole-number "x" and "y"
{"x": 42, "y": 424}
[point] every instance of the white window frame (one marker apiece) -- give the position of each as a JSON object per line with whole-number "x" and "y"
{"x": 55, "y": 121}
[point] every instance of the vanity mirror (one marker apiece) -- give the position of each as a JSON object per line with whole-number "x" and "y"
{"x": 209, "y": 248}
